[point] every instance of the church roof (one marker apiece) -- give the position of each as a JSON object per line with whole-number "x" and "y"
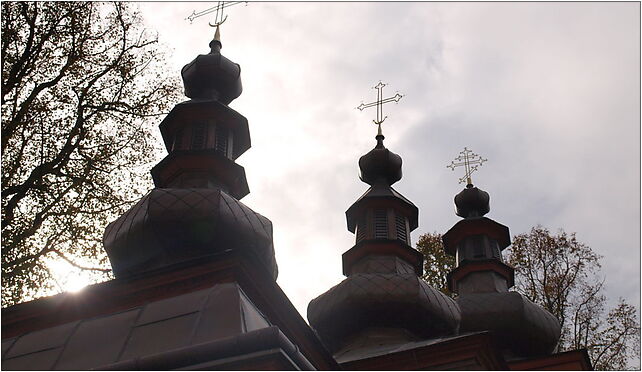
{"x": 207, "y": 310}
{"x": 381, "y": 191}
{"x": 357, "y": 353}
{"x": 152, "y": 328}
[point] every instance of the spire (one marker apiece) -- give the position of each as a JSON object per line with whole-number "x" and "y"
{"x": 383, "y": 272}
{"x": 482, "y": 280}
{"x": 215, "y": 44}
{"x": 217, "y": 34}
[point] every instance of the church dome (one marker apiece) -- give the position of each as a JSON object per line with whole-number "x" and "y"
{"x": 380, "y": 164}
{"x": 169, "y": 226}
{"x": 378, "y": 287}
{"x": 472, "y": 202}
{"x": 212, "y": 76}
{"x": 524, "y": 329}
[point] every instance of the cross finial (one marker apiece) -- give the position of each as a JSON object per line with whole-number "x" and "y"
{"x": 470, "y": 161}
{"x": 379, "y": 103}
{"x": 219, "y": 17}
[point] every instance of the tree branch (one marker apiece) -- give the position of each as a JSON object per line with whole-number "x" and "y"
{"x": 81, "y": 267}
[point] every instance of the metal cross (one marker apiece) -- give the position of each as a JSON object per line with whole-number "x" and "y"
{"x": 470, "y": 161}
{"x": 218, "y": 17}
{"x": 379, "y": 103}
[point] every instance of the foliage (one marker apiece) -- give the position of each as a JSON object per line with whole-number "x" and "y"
{"x": 437, "y": 263}
{"x": 81, "y": 84}
{"x": 560, "y": 274}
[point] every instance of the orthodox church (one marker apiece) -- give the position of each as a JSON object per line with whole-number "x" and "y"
{"x": 195, "y": 275}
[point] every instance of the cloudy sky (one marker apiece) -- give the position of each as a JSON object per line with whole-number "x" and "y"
{"x": 548, "y": 92}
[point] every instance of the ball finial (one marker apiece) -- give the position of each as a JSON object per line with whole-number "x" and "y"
{"x": 380, "y": 165}
{"x": 472, "y": 202}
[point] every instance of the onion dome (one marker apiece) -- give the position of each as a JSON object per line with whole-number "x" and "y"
{"x": 168, "y": 226}
{"x": 472, "y": 202}
{"x": 523, "y": 328}
{"x": 380, "y": 165}
{"x": 382, "y": 293}
{"x": 212, "y": 76}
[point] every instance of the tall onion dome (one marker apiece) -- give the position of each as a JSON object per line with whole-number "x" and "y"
{"x": 382, "y": 301}
{"x": 481, "y": 280}
{"x": 195, "y": 211}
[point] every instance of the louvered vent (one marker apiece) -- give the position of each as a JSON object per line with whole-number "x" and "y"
{"x": 495, "y": 250}
{"x": 222, "y": 134}
{"x": 478, "y": 246}
{"x": 361, "y": 230}
{"x": 199, "y": 136}
{"x": 402, "y": 232}
{"x": 380, "y": 224}
{"x": 178, "y": 140}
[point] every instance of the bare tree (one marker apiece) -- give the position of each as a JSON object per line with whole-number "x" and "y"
{"x": 81, "y": 85}
{"x": 562, "y": 275}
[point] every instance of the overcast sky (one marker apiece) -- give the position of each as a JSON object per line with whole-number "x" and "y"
{"x": 548, "y": 92}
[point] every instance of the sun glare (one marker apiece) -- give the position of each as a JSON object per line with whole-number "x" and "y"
{"x": 67, "y": 277}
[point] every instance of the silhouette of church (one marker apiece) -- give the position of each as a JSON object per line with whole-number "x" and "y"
{"x": 195, "y": 275}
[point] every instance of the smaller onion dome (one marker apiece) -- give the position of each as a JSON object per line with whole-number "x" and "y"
{"x": 472, "y": 202}
{"x": 523, "y": 328}
{"x": 368, "y": 299}
{"x": 212, "y": 76}
{"x": 380, "y": 164}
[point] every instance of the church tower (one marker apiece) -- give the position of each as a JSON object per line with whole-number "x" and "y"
{"x": 195, "y": 209}
{"x": 382, "y": 304}
{"x": 482, "y": 281}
